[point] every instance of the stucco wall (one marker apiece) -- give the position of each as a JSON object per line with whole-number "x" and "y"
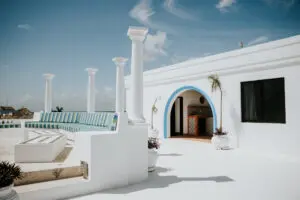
{"x": 271, "y": 60}
{"x": 114, "y": 159}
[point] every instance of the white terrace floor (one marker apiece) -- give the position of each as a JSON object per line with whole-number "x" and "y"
{"x": 194, "y": 170}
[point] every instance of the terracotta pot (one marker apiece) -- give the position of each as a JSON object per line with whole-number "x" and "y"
{"x": 152, "y": 159}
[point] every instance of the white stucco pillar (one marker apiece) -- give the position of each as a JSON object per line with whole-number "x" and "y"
{"x": 120, "y": 83}
{"x": 91, "y": 93}
{"x": 137, "y": 35}
{"x": 48, "y": 92}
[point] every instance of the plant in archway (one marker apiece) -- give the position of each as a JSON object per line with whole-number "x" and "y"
{"x": 154, "y": 110}
{"x": 216, "y": 85}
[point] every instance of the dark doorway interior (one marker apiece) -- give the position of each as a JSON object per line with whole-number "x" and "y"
{"x": 202, "y": 126}
{"x": 172, "y": 121}
{"x": 181, "y": 115}
{"x": 173, "y": 117}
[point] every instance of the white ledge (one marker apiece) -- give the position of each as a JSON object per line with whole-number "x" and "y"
{"x": 263, "y": 56}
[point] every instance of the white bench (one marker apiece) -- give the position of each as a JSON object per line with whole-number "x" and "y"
{"x": 44, "y": 148}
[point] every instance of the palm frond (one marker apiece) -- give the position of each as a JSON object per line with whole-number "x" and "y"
{"x": 215, "y": 82}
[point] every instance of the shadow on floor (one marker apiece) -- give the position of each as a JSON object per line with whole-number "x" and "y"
{"x": 156, "y": 181}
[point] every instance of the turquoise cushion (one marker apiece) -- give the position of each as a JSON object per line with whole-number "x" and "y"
{"x": 66, "y": 118}
{"x": 88, "y": 119}
{"x": 54, "y": 115}
{"x": 42, "y": 117}
{"x": 57, "y": 117}
{"x": 78, "y": 117}
{"x": 47, "y": 115}
{"x": 96, "y": 119}
{"x": 72, "y": 117}
{"x": 100, "y": 119}
{"x": 103, "y": 118}
{"x": 82, "y": 117}
{"x": 61, "y": 117}
{"x": 50, "y": 117}
{"x": 109, "y": 120}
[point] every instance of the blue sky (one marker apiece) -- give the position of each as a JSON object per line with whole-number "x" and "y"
{"x": 66, "y": 36}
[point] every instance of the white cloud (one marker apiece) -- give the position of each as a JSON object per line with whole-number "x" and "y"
{"x": 258, "y": 40}
{"x": 155, "y": 46}
{"x": 25, "y": 98}
{"x": 173, "y": 8}
{"x": 142, "y": 12}
{"x": 224, "y": 4}
{"x": 24, "y": 26}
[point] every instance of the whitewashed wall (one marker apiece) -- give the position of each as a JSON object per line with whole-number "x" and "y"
{"x": 115, "y": 159}
{"x": 270, "y": 60}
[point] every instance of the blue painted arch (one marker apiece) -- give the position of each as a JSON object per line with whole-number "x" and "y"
{"x": 175, "y": 94}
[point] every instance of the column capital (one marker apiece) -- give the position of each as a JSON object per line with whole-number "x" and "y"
{"x": 91, "y": 71}
{"x": 137, "y": 33}
{"x": 120, "y": 61}
{"x": 49, "y": 76}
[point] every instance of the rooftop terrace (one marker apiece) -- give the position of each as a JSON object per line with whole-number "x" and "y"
{"x": 194, "y": 170}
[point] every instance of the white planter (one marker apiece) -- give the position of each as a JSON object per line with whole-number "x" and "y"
{"x": 6, "y": 191}
{"x": 152, "y": 159}
{"x": 220, "y": 142}
{"x": 153, "y": 133}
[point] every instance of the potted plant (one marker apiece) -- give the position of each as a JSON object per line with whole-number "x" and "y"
{"x": 8, "y": 173}
{"x": 220, "y": 139}
{"x": 153, "y": 146}
{"x": 153, "y": 131}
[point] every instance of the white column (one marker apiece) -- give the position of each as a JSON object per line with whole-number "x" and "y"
{"x": 137, "y": 35}
{"x": 91, "y": 93}
{"x": 48, "y": 92}
{"x": 125, "y": 100}
{"x": 120, "y": 83}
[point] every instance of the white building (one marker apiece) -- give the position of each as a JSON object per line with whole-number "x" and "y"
{"x": 260, "y": 100}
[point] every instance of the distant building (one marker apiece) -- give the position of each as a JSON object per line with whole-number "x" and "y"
{"x": 6, "y": 110}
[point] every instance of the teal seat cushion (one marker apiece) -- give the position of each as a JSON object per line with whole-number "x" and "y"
{"x": 83, "y": 117}
{"x": 66, "y": 117}
{"x": 76, "y": 121}
{"x": 109, "y": 120}
{"x": 73, "y": 117}
{"x": 46, "y": 118}
{"x": 61, "y": 117}
{"x": 57, "y": 117}
{"x": 42, "y": 117}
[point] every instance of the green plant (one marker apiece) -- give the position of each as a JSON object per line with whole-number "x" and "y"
{"x": 8, "y": 173}
{"x": 153, "y": 110}
{"x": 216, "y": 85}
{"x": 153, "y": 143}
{"x": 58, "y": 109}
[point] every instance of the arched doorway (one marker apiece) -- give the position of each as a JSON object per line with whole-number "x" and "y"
{"x": 170, "y": 104}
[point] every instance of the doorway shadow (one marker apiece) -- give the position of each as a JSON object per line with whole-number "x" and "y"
{"x": 156, "y": 181}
